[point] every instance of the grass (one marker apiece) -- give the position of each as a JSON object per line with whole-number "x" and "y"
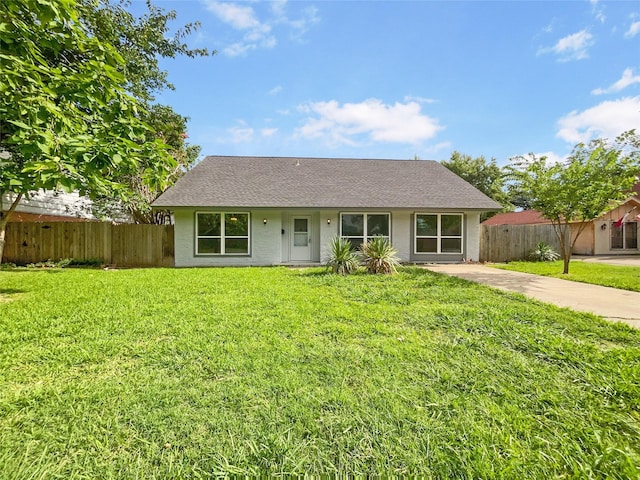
{"x": 194, "y": 373}
{"x": 616, "y": 276}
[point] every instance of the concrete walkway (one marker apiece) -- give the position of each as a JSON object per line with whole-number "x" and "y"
{"x": 610, "y": 303}
{"x": 624, "y": 260}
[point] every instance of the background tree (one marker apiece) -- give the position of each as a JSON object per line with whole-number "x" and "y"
{"x": 596, "y": 177}
{"x": 66, "y": 120}
{"x": 135, "y": 44}
{"x": 169, "y": 127}
{"x": 485, "y": 175}
{"x": 141, "y": 41}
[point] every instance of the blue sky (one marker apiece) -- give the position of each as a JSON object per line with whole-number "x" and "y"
{"x": 396, "y": 79}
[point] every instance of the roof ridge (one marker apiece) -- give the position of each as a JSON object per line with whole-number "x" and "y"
{"x": 349, "y": 159}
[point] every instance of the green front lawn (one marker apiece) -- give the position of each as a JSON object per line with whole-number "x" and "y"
{"x": 190, "y": 373}
{"x": 616, "y": 276}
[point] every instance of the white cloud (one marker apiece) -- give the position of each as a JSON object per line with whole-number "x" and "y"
{"x": 598, "y": 11}
{"x": 242, "y": 17}
{"x": 634, "y": 30}
{"x": 550, "y": 26}
{"x": 257, "y": 33}
{"x": 268, "y": 132}
{"x": 239, "y": 134}
{"x": 552, "y": 157}
{"x": 607, "y": 119}
{"x": 239, "y": 17}
{"x": 437, "y": 148}
{"x": 410, "y": 98}
{"x": 347, "y": 123}
{"x": 627, "y": 79}
{"x": 299, "y": 25}
{"x": 275, "y": 90}
{"x": 571, "y": 47}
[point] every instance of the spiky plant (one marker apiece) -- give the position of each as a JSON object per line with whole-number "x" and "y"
{"x": 379, "y": 256}
{"x": 544, "y": 253}
{"x": 343, "y": 259}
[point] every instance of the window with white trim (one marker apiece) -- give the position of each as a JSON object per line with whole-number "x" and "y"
{"x": 624, "y": 236}
{"x": 359, "y": 228}
{"x": 219, "y": 233}
{"x": 438, "y": 233}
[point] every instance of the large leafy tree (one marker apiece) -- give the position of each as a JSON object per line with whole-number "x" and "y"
{"x": 485, "y": 175}
{"x": 595, "y": 178}
{"x": 169, "y": 127}
{"x": 66, "y": 119}
{"x": 141, "y": 41}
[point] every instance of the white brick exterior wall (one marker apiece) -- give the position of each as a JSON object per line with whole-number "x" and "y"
{"x": 270, "y": 246}
{"x": 472, "y": 235}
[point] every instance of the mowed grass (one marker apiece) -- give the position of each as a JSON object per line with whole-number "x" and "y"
{"x": 194, "y": 373}
{"x": 616, "y": 276}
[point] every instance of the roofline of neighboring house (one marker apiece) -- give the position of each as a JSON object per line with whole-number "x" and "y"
{"x": 20, "y": 217}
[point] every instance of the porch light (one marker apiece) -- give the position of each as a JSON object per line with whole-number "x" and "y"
{"x": 264, "y": 220}
{"x": 328, "y": 221}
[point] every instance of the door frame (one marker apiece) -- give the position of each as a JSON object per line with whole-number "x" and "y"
{"x": 309, "y": 256}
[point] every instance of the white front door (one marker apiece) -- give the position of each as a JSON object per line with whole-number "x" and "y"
{"x": 301, "y": 239}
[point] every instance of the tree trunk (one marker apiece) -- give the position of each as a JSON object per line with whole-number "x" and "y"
{"x": 566, "y": 247}
{"x": 3, "y": 234}
{"x": 4, "y": 219}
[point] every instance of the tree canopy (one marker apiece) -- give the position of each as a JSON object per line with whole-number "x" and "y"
{"x": 485, "y": 175}
{"x": 595, "y": 178}
{"x": 170, "y": 128}
{"x": 67, "y": 118}
{"x": 140, "y": 41}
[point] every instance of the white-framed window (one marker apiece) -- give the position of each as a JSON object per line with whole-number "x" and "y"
{"x": 625, "y": 236}
{"x": 359, "y": 228}
{"x": 222, "y": 233}
{"x": 438, "y": 233}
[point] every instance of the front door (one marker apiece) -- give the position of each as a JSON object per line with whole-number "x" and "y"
{"x": 301, "y": 241}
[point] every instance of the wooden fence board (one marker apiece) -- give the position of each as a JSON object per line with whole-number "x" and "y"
{"x": 125, "y": 245}
{"x": 504, "y": 243}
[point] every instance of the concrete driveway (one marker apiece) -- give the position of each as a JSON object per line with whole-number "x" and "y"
{"x": 626, "y": 260}
{"x": 610, "y": 303}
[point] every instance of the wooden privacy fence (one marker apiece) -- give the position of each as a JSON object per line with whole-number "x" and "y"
{"x": 504, "y": 243}
{"x": 125, "y": 245}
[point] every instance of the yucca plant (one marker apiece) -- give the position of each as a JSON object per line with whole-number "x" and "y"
{"x": 544, "y": 253}
{"x": 379, "y": 256}
{"x": 343, "y": 259}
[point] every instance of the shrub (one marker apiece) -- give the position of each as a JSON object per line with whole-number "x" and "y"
{"x": 544, "y": 253}
{"x": 343, "y": 259}
{"x": 379, "y": 256}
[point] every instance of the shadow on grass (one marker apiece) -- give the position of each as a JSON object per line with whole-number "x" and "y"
{"x": 30, "y": 269}
{"x": 10, "y": 291}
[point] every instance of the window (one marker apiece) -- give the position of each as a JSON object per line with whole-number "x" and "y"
{"x": 438, "y": 233}
{"x": 625, "y": 236}
{"x": 222, "y": 233}
{"x": 359, "y": 228}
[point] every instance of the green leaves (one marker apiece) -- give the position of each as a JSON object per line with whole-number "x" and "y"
{"x": 68, "y": 121}
{"x": 485, "y": 175}
{"x": 595, "y": 178}
{"x": 74, "y": 85}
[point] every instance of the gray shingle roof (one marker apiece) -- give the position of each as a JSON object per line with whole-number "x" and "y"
{"x": 279, "y": 182}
